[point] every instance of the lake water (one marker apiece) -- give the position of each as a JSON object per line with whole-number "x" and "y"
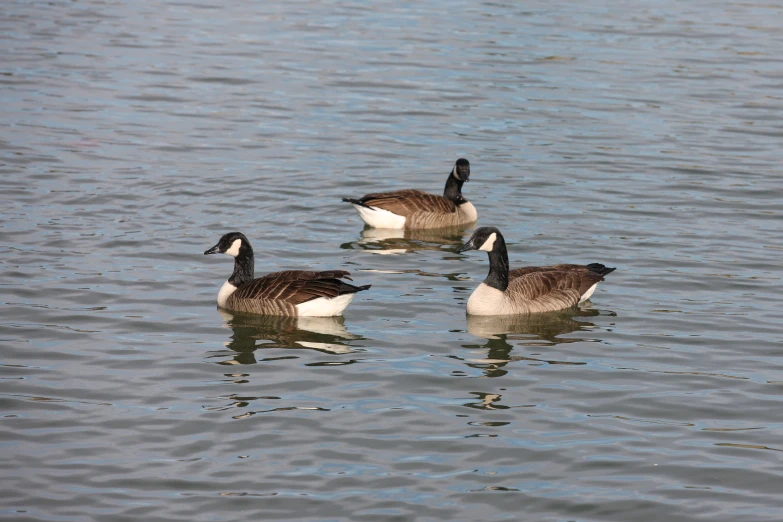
{"x": 646, "y": 137}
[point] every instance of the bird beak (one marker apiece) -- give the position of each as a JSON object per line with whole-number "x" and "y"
{"x": 214, "y": 250}
{"x": 467, "y": 246}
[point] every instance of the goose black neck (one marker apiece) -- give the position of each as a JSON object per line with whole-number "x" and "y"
{"x": 498, "y": 265}
{"x": 243, "y": 267}
{"x": 453, "y": 190}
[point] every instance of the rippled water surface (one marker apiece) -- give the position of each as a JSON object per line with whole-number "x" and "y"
{"x": 134, "y": 134}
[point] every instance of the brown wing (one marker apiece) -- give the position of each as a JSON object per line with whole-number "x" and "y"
{"x": 296, "y": 286}
{"x": 547, "y": 288}
{"x": 407, "y": 202}
{"x": 550, "y": 268}
{"x": 578, "y": 275}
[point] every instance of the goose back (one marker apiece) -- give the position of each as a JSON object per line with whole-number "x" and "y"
{"x": 580, "y": 276}
{"x": 409, "y": 201}
{"x": 420, "y": 209}
{"x": 545, "y": 289}
{"x": 280, "y": 293}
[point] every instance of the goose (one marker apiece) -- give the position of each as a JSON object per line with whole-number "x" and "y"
{"x": 299, "y": 293}
{"x": 411, "y": 209}
{"x": 530, "y": 289}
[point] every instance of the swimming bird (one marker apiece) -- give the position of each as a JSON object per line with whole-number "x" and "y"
{"x": 299, "y": 293}
{"x": 416, "y": 209}
{"x": 529, "y": 289}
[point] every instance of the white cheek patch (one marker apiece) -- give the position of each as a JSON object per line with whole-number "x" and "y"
{"x": 489, "y": 243}
{"x": 455, "y": 172}
{"x": 234, "y": 250}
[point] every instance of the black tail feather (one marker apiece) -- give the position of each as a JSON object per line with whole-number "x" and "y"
{"x": 347, "y": 288}
{"x": 355, "y": 202}
{"x": 600, "y": 269}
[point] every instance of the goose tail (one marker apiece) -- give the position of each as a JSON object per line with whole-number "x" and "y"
{"x": 356, "y": 202}
{"x": 347, "y": 288}
{"x": 600, "y": 269}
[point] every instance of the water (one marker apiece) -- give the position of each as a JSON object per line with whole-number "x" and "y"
{"x": 134, "y": 134}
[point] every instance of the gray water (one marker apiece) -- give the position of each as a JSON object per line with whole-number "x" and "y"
{"x": 643, "y": 136}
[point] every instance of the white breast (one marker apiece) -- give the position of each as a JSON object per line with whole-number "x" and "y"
{"x": 226, "y": 290}
{"x": 486, "y": 300}
{"x": 323, "y": 306}
{"x": 468, "y": 212}
{"x": 379, "y": 218}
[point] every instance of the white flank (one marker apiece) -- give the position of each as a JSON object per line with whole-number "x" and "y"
{"x": 226, "y": 290}
{"x": 468, "y": 212}
{"x": 486, "y": 300}
{"x": 323, "y": 306}
{"x": 587, "y": 294}
{"x": 234, "y": 250}
{"x": 379, "y": 218}
{"x": 489, "y": 243}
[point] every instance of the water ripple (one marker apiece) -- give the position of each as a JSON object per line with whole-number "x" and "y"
{"x": 645, "y": 137}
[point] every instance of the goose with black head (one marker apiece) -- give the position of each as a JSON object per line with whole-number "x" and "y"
{"x": 414, "y": 209}
{"x": 530, "y": 289}
{"x": 296, "y": 293}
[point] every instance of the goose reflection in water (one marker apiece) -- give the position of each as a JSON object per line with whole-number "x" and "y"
{"x": 543, "y": 329}
{"x": 386, "y": 241}
{"x": 324, "y": 334}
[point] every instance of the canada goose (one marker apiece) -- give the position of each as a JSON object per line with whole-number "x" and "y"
{"x": 416, "y": 209}
{"x": 530, "y": 289}
{"x": 293, "y": 293}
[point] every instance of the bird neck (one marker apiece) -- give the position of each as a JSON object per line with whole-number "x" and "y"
{"x": 498, "y": 266}
{"x": 453, "y": 190}
{"x": 243, "y": 267}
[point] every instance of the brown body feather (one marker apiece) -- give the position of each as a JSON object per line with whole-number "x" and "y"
{"x": 572, "y": 277}
{"x": 420, "y": 209}
{"x": 408, "y": 202}
{"x": 279, "y": 293}
{"x": 534, "y": 290}
{"x": 549, "y": 288}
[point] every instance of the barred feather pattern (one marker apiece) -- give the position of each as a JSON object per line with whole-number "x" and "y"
{"x": 535, "y": 290}
{"x": 421, "y": 209}
{"x": 579, "y": 275}
{"x": 547, "y": 289}
{"x": 279, "y": 293}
